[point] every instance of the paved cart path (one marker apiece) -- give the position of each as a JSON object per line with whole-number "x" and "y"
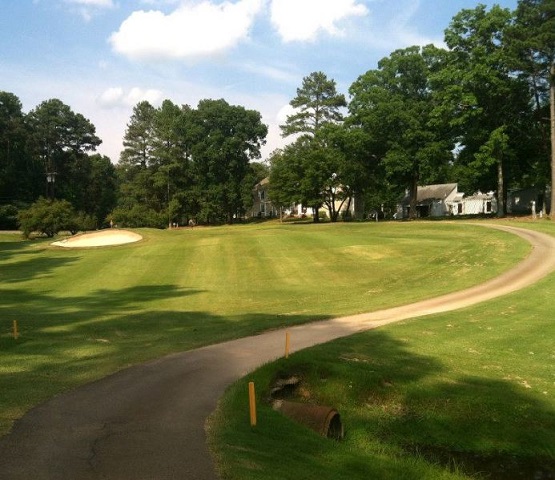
{"x": 147, "y": 422}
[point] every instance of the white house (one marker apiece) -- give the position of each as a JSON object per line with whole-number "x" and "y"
{"x": 431, "y": 201}
{"x": 477, "y": 204}
{"x": 444, "y": 199}
{"x": 262, "y": 205}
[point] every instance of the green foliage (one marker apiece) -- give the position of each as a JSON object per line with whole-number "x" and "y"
{"x": 487, "y": 98}
{"x": 60, "y": 139}
{"x": 393, "y": 106}
{"x": 8, "y": 217}
{"x": 317, "y": 104}
{"x": 226, "y": 139}
{"x": 138, "y": 216}
{"x": 21, "y": 175}
{"x": 137, "y": 141}
{"x": 47, "y": 217}
{"x": 181, "y": 163}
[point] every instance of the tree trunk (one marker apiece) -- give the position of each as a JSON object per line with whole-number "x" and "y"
{"x": 315, "y": 216}
{"x": 500, "y": 189}
{"x": 413, "y": 197}
{"x": 552, "y": 118}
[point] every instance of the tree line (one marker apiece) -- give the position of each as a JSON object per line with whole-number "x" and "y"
{"x": 178, "y": 164}
{"x": 479, "y": 112}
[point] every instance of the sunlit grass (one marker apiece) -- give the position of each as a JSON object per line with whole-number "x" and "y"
{"x": 85, "y": 313}
{"x": 445, "y": 396}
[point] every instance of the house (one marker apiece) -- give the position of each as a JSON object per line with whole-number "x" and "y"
{"x": 431, "y": 201}
{"x": 444, "y": 200}
{"x": 477, "y": 204}
{"x": 528, "y": 200}
{"x": 262, "y": 206}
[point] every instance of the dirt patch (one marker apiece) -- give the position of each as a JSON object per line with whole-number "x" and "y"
{"x": 101, "y": 238}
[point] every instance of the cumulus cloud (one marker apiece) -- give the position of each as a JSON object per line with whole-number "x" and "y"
{"x": 192, "y": 30}
{"x": 117, "y": 97}
{"x": 303, "y": 20}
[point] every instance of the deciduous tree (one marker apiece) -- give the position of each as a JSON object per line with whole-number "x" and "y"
{"x": 394, "y": 106}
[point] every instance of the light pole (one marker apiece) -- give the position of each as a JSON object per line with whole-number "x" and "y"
{"x": 50, "y": 181}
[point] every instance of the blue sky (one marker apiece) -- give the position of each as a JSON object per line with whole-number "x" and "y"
{"x": 101, "y": 57}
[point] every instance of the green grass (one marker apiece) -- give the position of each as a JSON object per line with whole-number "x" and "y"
{"x": 85, "y": 313}
{"x": 446, "y": 396}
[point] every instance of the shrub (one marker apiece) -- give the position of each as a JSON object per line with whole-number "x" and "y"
{"x": 8, "y": 217}
{"x": 138, "y": 216}
{"x": 47, "y": 217}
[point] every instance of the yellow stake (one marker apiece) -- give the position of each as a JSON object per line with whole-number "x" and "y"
{"x": 252, "y": 404}
{"x": 15, "y": 332}
{"x": 287, "y": 344}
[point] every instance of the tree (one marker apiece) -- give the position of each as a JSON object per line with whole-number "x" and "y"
{"x": 100, "y": 192}
{"x": 318, "y": 104}
{"x": 169, "y": 156}
{"x": 225, "y": 139}
{"x": 296, "y": 176}
{"x": 135, "y": 177}
{"x": 317, "y": 107}
{"x": 138, "y": 139}
{"x": 532, "y": 43}
{"x": 20, "y": 177}
{"x": 59, "y": 139}
{"x": 393, "y": 105}
{"x": 47, "y": 217}
{"x": 487, "y": 103}
{"x": 311, "y": 172}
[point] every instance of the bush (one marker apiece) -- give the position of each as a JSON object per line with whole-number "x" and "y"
{"x": 82, "y": 222}
{"x": 8, "y": 217}
{"x": 47, "y": 217}
{"x": 138, "y": 216}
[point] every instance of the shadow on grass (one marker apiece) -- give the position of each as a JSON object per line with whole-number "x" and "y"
{"x": 405, "y": 416}
{"x": 68, "y": 341}
{"x": 32, "y": 267}
{"x": 31, "y": 262}
{"x": 482, "y": 425}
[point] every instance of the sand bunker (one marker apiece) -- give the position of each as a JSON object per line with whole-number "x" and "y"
{"x": 112, "y": 236}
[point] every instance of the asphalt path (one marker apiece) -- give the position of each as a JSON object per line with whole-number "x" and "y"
{"x": 148, "y": 422}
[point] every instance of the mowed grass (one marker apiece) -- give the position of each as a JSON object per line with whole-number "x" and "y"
{"x": 466, "y": 394}
{"x": 85, "y": 313}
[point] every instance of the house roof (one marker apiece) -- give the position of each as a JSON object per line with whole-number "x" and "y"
{"x": 429, "y": 193}
{"x": 262, "y": 183}
{"x": 435, "y": 192}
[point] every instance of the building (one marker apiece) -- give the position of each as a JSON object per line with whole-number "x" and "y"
{"x": 445, "y": 200}
{"x": 431, "y": 201}
{"x": 262, "y": 206}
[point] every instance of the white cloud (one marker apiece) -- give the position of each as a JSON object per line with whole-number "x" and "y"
{"x": 282, "y": 74}
{"x": 303, "y": 20}
{"x": 115, "y": 97}
{"x": 192, "y": 30}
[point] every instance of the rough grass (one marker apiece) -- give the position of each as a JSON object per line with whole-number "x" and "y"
{"x": 85, "y": 313}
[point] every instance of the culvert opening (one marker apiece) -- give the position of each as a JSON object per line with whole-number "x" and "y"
{"x": 287, "y": 387}
{"x": 324, "y": 420}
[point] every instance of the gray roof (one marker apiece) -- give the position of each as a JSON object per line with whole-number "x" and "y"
{"x": 435, "y": 192}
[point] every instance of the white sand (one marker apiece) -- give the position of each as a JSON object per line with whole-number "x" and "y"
{"x": 112, "y": 236}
